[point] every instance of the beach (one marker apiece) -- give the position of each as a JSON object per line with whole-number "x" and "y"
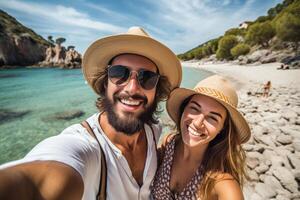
{"x": 273, "y": 151}
{"x": 248, "y": 74}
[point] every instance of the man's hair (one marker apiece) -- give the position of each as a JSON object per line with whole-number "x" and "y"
{"x": 163, "y": 89}
{"x": 223, "y": 155}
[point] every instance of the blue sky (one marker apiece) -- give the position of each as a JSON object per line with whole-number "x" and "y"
{"x": 180, "y": 24}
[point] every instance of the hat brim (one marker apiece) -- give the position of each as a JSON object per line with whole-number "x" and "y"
{"x": 98, "y": 55}
{"x": 177, "y": 97}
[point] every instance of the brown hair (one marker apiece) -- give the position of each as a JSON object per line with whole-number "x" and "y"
{"x": 223, "y": 155}
{"x": 163, "y": 90}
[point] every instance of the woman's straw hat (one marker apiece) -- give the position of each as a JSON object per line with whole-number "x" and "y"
{"x": 217, "y": 88}
{"x": 135, "y": 41}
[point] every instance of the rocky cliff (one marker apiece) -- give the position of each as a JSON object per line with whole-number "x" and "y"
{"x": 19, "y": 45}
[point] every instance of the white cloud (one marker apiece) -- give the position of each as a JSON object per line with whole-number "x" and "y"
{"x": 191, "y": 22}
{"x": 181, "y": 24}
{"x": 61, "y": 14}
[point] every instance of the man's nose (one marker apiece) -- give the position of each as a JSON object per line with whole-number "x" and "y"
{"x": 133, "y": 83}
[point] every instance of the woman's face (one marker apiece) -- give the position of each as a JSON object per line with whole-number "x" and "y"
{"x": 202, "y": 119}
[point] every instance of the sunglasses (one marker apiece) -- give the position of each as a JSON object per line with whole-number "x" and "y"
{"x": 120, "y": 74}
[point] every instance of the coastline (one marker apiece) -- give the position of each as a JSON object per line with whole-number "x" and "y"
{"x": 273, "y": 151}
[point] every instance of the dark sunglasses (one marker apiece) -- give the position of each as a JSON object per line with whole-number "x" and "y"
{"x": 120, "y": 74}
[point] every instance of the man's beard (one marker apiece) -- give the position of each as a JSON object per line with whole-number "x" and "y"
{"x": 131, "y": 123}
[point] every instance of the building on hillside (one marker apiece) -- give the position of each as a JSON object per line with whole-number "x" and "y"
{"x": 244, "y": 25}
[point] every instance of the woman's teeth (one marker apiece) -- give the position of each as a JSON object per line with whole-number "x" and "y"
{"x": 195, "y": 133}
{"x": 130, "y": 102}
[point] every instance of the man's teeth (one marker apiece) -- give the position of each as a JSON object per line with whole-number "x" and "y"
{"x": 193, "y": 132}
{"x": 130, "y": 102}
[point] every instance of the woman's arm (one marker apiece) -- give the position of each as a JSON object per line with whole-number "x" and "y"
{"x": 227, "y": 188}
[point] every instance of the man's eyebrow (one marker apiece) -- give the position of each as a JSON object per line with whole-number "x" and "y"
{"x": 214, "y": 113}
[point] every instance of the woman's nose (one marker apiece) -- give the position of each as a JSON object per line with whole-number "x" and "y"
{"x": 198, "y": 121}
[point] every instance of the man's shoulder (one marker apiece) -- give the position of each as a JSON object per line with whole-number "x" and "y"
{"x": 78, "y": 129}
{"x": 156, "y": 130}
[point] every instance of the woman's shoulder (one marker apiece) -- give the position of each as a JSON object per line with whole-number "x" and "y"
{"x": 227, "y": 188}
{"x": 168, "y": 138}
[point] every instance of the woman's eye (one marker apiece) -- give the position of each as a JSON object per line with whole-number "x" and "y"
{"x": 194, "y": 108}
{"x": 213, "y": 119}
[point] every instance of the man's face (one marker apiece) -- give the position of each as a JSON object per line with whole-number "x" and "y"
{"x": 129, "y": 104}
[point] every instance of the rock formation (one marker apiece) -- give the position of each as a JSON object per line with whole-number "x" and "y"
{"x": 273, "y": 152}
{"x": 58, "y": 56}
{"x": 19, "y": 46}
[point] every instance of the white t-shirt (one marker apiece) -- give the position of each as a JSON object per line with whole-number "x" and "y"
{"x": 77, "y": 148}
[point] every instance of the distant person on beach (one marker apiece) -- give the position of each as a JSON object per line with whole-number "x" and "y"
{"x": 205, "y": 159}
{"x": 266, "y": 89}
{"x": 112, "y": 155}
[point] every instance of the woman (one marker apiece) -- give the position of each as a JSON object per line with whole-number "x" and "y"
{"x": 205, "y": 161}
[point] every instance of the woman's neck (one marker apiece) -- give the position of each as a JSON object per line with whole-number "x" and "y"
{"x": 191, "y": 154}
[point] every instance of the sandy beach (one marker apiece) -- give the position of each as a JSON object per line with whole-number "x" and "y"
{"x": 273, "y": 152}
{"x": 253, "y": 73}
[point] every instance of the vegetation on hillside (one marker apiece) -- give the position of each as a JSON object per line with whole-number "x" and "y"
{"x": 10, "y": 26}
{"x": 281, "y": 23}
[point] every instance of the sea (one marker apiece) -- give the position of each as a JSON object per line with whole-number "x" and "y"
{"x": 34, "y": 97}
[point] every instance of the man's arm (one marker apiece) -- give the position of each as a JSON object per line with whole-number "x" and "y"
{"x": 40, "y": 180}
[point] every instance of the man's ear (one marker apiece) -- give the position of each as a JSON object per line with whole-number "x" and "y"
{"x": 105, "y": 84}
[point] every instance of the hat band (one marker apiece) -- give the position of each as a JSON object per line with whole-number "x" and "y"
{"x": 214, "y": 93}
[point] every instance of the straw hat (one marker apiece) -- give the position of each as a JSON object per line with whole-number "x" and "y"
{"x": 217, "y": 88}
{"x": 135, "y": 41}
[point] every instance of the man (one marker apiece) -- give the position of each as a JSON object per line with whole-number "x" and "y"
{"x": 131, "y": 72}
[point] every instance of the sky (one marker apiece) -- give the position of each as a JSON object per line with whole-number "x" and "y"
{"x": 179, "y": 24}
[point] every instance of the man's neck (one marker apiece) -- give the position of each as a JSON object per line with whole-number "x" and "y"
{"x": 120, "y": 139}
{"x": 133, "y": 147}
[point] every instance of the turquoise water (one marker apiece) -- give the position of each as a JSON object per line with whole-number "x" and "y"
{"x": 43, "y": 93}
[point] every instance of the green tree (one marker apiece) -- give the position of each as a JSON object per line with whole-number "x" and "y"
{"x": 70, "y": 47}
{"x": 272, "y": 12}
{"x": 240, "y": 49}
{"x": 236, "y": 32}
{"x": 181, "y": 57}
{"x": 288, "y": 28}
{"x": 263, "y": 19}
{"x": 225, "y": 44}
{"x": 60, "y": 40}
{"x": 190, "y": 55}
{"x": 198, "y": 53}
{"x": 50, "y": 39}
{"x": 214, "y": 45}
{"x": 206, "y": 50}
{"x": 260, "y": 33}
{"x": 287, "y": 2}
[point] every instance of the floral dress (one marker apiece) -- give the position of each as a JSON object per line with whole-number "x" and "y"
{"x": 160, "y": 188}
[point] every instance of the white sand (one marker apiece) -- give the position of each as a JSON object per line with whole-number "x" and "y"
{"x": 257, "y": 74}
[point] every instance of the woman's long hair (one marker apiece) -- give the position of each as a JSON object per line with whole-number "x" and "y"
{"x": 223, "y": 155}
